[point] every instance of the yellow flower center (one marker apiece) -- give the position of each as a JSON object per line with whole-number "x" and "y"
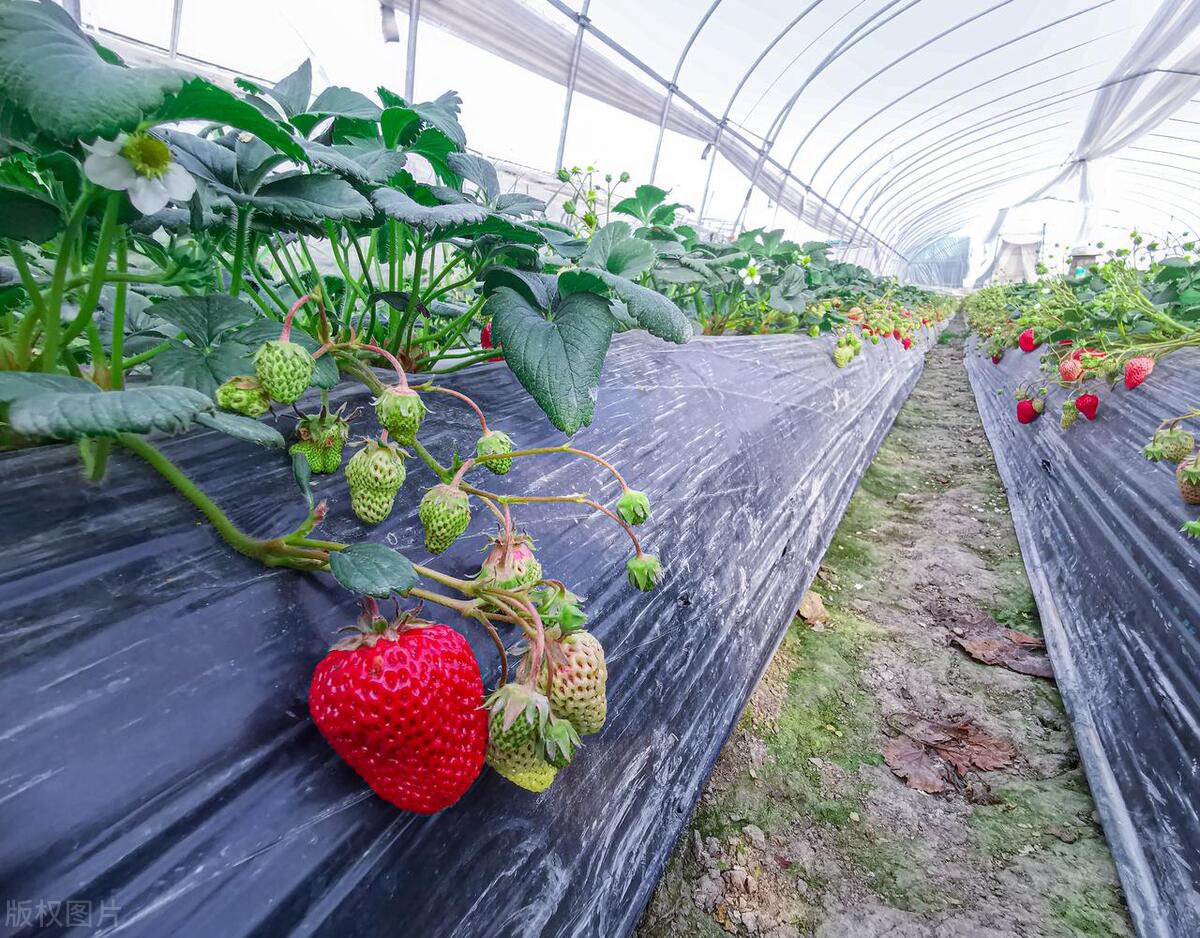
{"x": 149, "y": 155}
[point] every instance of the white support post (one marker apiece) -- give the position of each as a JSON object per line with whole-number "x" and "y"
{"x": 571, "y": 75}
{"x": 410, "y": 65}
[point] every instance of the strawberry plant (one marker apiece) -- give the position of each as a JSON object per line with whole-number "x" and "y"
{"x": 1101, "y": 328}
{"x": 162, "y": 279}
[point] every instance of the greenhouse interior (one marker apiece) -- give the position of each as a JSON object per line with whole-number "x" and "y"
{"x": 596, "y": 468}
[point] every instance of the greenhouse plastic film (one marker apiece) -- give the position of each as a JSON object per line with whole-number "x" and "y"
{"x": 1116, "y": 589}
{"x": 160, "y": 763}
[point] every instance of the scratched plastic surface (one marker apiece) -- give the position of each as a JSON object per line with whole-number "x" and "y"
{"x": 1117, "y": 590}
{"x": 158, "y": 759}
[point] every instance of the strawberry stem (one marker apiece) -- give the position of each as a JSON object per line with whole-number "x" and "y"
{"x": 285, "y": 335}
{"x": 430, "y": 386}
{"x": 401, "y": 377}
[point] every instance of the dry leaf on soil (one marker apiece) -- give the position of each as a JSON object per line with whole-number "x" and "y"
{"x": 918, "y": 765}
{"x": 987, "y": 641}
{"x": 929, "y": 749}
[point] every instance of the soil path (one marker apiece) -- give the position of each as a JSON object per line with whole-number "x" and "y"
{"x": 803, "y": 829}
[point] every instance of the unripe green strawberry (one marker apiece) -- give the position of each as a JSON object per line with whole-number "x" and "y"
{"x": 494, "y": 442}
{"x": 560, "y": 741}
{"x": 1175, "y": 444}
{"x": 814, "y": 331}
{"x": 842, "y": 356}
{"x": 321, "y": 438}
{"x": 284, "y": 369}
{"x": 645, "y": 571}
{"x": 372, "y": 505}
{"x": 243, "y": 395}
{"x": 377, "y": 465}
{"x": 510, "y": 564}
{"x": 1070, "y": 413}
{"x": 519, "y": 717}
{"x": 445, "y": 512}
{"x": 400, "y": 412}
{"x": 633, "y": 506}
{"x": 574, "y": 679}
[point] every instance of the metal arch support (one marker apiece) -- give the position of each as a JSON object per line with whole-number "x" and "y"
{"x": 935, "y": 79}
{"x": 176, "y": 22}
{"x": 909, "y": 213}
{"x": 987, "y": 124}
{"x": 410, "y": 62}
{"x": 921, "y": 158}
{"x": 888, "y": 67}
{"x": 607, "y": 40}
{"x": 572, "y": 74}
{"x": 674, "y": 85}
{"x": 934, "y": 163}
{"x": 738, "y": 90}
{"x": 956, "y": 200}
{"x": 777, "y": 124}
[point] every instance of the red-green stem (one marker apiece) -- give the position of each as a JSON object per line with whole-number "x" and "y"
{"x": 462, "y": 397}
{"x": 401, "y": 377}
{"x": 285, "y": 335}
{"x": 577, "y": 499}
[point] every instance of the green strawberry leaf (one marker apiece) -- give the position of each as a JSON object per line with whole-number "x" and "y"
{"x": 614, "y": 249}
{"x": 203, "y": 369}
{"x": 244, "y": 428}
{"x": 53, "y": 73}
{"x": 499, "y": 227}
{"x": 307, "y": 198}
{"x": 15, "y": 385}
{"x": 538, "y": 289}
{"x": 69, "y": 416}
{"x": 402, "y": 207}
{"x": 436, "y": 147}
{"x": 27, "y": 215}
{"x": 642, "y": 203}
{"x": 653, "y": 312}
{"x": 477, "y": 170}
{"x": 202, "y": 100}
{"x": 292, "y": 93}
{"x": 336, "y": 101}
{"x": 442, "y": 114}
{"x": 205, "y": 318}
{"x": 372, "y": 570}
{"x": 558, "y": 361}
{"x": 302, "y": 473}
{"x": 357, "y": 162}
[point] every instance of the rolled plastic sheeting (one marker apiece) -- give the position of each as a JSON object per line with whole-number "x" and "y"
{"x": 159, "y": 760}
{"x": 1116, "y": 586}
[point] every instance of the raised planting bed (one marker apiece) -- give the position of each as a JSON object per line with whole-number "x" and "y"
{"x": 1116, "y": 587}
{"x": 160, "y": 762}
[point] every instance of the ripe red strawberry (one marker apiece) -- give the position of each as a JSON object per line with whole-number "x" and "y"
{"x": 1027, "y": 341}
{"x": 906, "y": 342}
{"x": 1087, "y": 404}
{"x": 485, "y": 339}
{"x": 896, "y": 334}
{"x": 996, "y": 359}
{"x": 1029, "y": 411}
{"x": 1138, "y": 370}
{"x": 1069, "y": 369}
{"x": 404, "y": 708}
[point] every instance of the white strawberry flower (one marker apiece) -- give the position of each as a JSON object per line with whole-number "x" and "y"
{"x": 141, "y": 165}
{"x": 750, "y": 275}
